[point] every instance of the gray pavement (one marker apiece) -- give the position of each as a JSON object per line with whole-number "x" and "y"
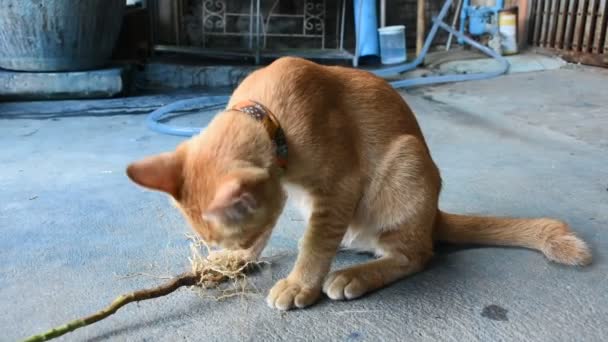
{"x": 76, "y": 233}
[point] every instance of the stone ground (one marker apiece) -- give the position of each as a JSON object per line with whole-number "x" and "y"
{"x": 76, "y": 233}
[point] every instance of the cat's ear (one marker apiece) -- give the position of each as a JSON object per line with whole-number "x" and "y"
{"x": 235, "y": 198}
{"x": 162, "y": 172}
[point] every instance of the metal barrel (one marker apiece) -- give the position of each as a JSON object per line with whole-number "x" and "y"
{"x": 58, "y": 35}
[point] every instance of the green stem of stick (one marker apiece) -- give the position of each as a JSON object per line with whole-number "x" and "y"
{"x": 185, "y": 279}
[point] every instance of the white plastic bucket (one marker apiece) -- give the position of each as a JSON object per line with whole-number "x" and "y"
{"x": 392, "y": 44}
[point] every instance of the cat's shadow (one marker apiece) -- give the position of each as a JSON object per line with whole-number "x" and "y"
{"x": 114, "y": 334}
{"x": 441, "y": 251}
{"x": 345, "y": 257}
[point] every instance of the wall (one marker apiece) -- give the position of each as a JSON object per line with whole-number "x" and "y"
{"x": 399, "y": 12}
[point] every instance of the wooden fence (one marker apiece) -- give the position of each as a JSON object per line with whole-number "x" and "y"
{"x": 573, "y": 29}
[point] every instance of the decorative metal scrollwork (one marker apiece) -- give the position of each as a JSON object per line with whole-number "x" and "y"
{"x": 314, "y": 17}
{"x": 237, "y": 18}
{"x": 213, "y": 14}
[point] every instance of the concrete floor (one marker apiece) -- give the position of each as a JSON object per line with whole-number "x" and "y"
{"x": 76, "y": 233}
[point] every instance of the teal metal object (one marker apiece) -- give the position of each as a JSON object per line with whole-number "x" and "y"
{"x": 479, "y": 18}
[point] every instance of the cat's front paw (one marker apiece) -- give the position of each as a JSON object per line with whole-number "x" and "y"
{"x": 345, "y": 284}
{"x": 288, "y": 294}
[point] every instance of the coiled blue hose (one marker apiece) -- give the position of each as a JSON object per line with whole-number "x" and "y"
{"x": 209, "y": 102}
{"x": 204, "y": 103}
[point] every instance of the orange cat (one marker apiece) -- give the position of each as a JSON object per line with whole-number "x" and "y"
{"x": 349, "y": 150}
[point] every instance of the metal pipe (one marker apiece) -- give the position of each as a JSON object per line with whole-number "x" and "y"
{"x": 257, "y": 33}
{"x": 251, "y": 24}
{"x": 342, "y": 25}
{"x": 382, "y": 13}
{"x": 463, "y": 17}
{"x": 357, "y": 33}
{"x": 456, "y": 15}
{"x": 177, "y": 25}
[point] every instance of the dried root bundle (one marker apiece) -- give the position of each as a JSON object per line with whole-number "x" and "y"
{"x": 217, "y": 269}
{"x": 206, "y": 273}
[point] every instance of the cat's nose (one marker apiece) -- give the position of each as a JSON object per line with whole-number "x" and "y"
{"x": 245, "y": 244}
{"x": 230, "y": 245}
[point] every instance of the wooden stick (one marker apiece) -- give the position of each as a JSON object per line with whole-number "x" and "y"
{"x": 420, "y": 26}
{"x": 553, "y": 13}
{"x": 545, "y": 26}
{"x": 522, "y": 23}
{"x": 538, "y": 19}
{"x": 561, "y": 25}
{"x": 570, "y": 25}
{"x": 599, "y": 27}
{"x": 589, "y": 26}
{"x": 185, "y": 279}
{"x": 577, "y": 40}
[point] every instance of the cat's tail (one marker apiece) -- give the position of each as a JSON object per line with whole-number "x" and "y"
{"x": 552, "y": 237}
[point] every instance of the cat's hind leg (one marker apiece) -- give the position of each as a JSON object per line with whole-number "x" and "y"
{"x": 400, "y": 206}
{"x": 401, "y": 254}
